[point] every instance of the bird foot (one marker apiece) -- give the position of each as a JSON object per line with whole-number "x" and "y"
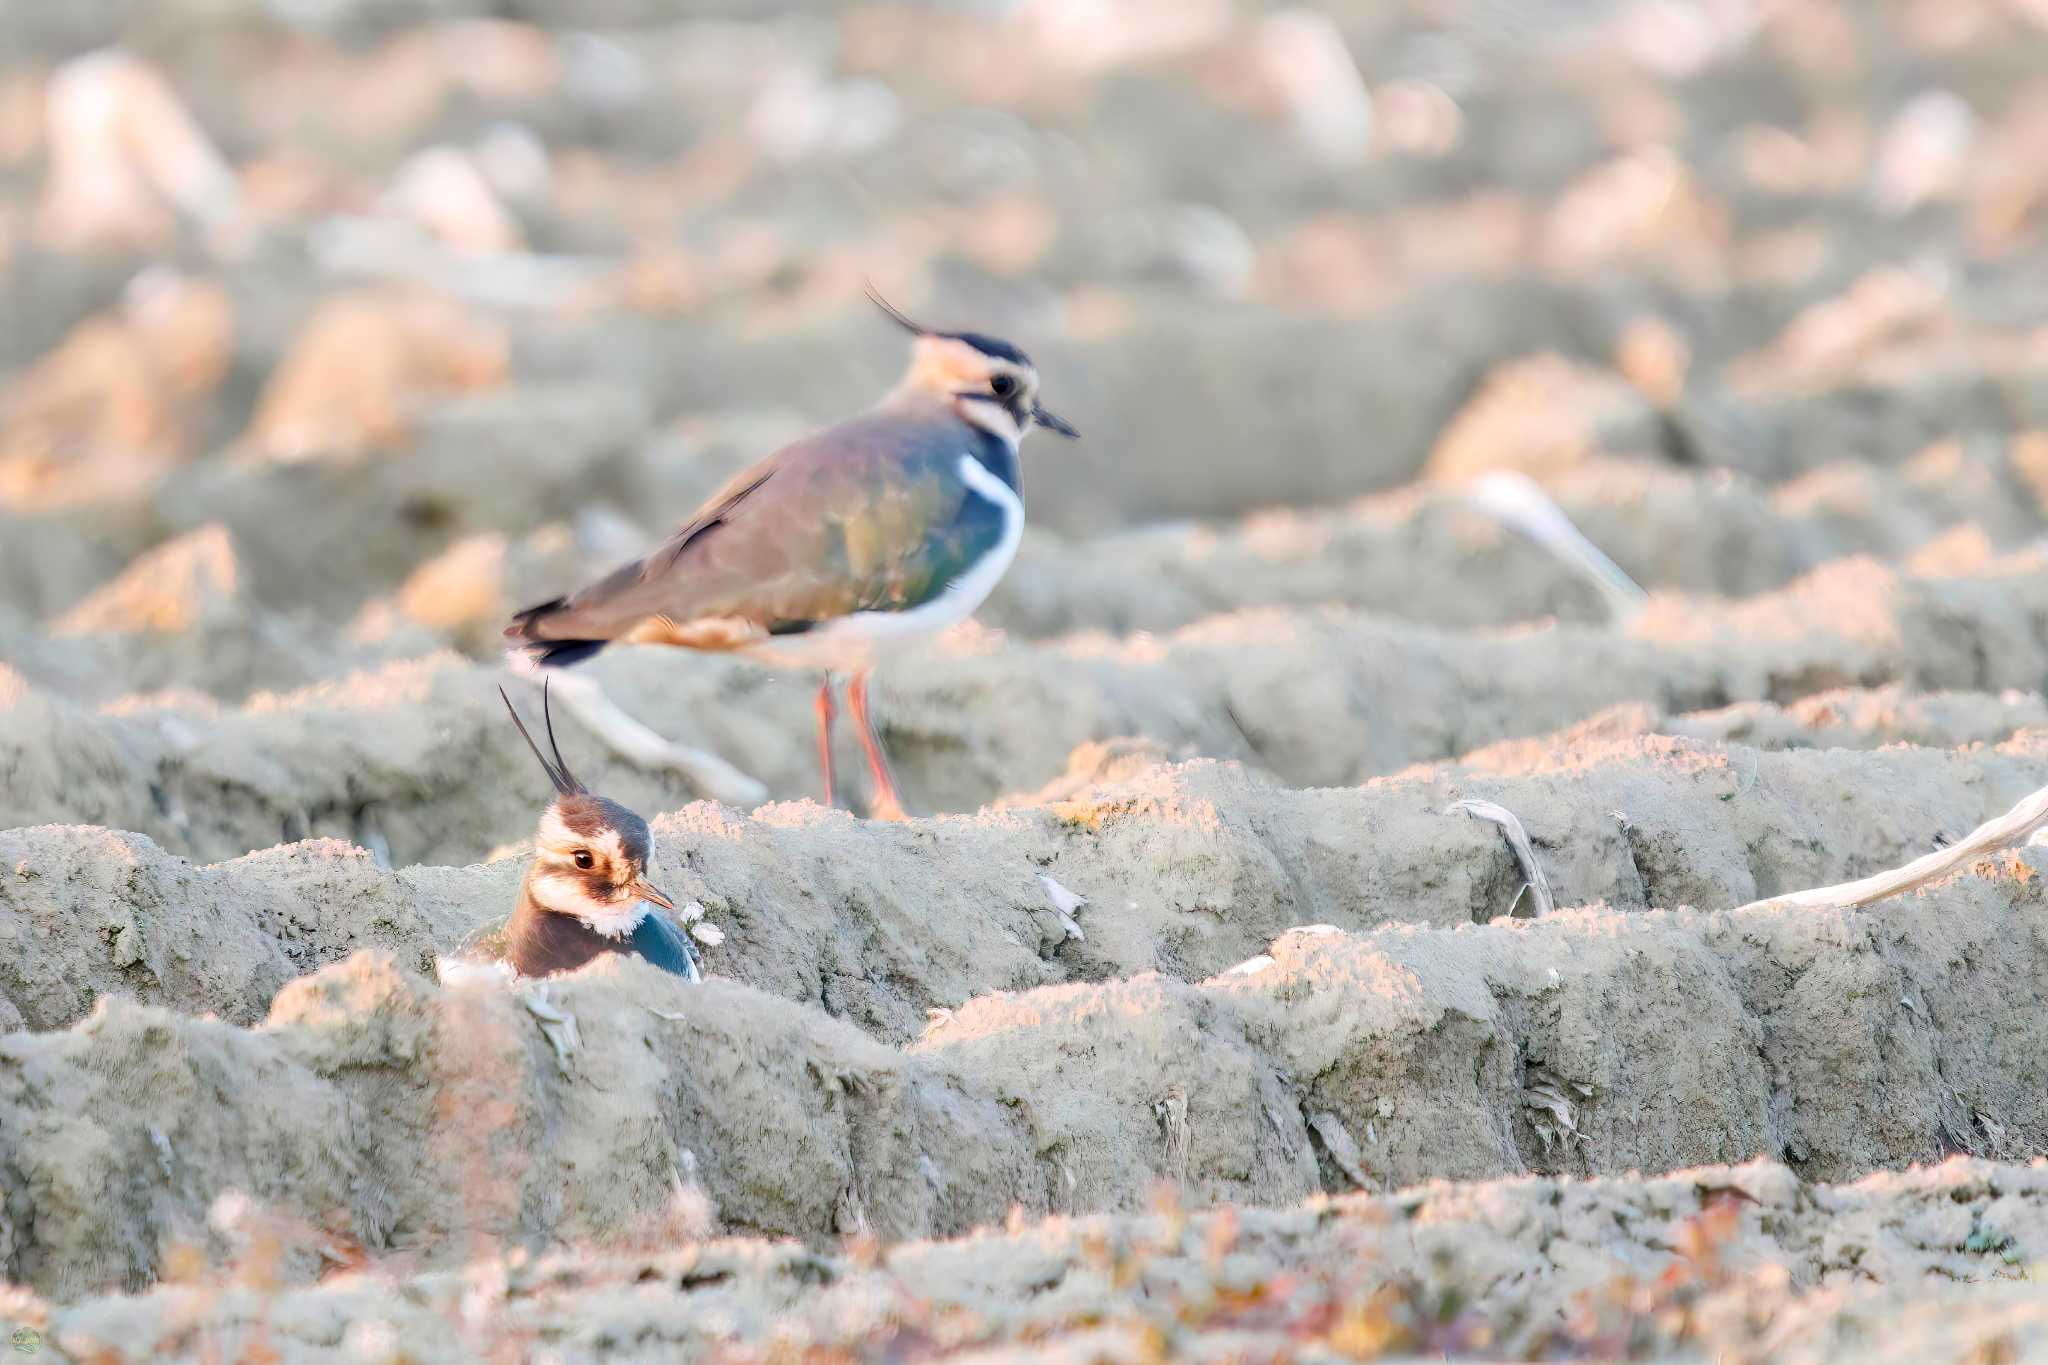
{"x": 885, "y": 806}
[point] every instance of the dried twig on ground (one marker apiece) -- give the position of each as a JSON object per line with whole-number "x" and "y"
{"x": 2004, "y": 831}
{"x": 1518, "y": 502}
{"x": 557, "y": 1025}
{"x": 1172, "y": 1112}
{"x": 1065, "y": 904}
{"x": 1343, "y": 1149}
{"x": 1518, "y": 841}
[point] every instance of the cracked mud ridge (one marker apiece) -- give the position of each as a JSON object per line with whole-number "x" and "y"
{"x": 1563, "y": 505}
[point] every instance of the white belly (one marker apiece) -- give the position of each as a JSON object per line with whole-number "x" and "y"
{"x": 864, "y": 638}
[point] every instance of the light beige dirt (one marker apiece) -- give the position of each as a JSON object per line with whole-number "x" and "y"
{"x": 1189, "y": 870}
{"x": 418, "y": 750}
{"x": 1836, "y": 1042}
{"x": 1195, "y": 1019}
{"x": 1529, "y": 1262}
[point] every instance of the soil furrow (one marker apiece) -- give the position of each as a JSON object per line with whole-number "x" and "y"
{"x": 1317, "y": 698}
{"x": 1189, "y": 869}
{"x": 1591, "y": 1041}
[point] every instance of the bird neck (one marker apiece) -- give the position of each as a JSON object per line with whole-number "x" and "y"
{"x": 996, "y": 450}
{"x": 913, "y": 399}
{"x": 540, "y": 941}
{"x": 993, "y": 420}
{"x": 999, "y": 457}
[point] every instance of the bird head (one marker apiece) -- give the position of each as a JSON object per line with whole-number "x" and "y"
{"x": 988, "y": 382}
{"x": 590, "y": 854}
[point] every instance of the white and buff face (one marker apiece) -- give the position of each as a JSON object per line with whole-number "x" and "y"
{"x": 590, "y": 861}
{"x": 989, "y": 392}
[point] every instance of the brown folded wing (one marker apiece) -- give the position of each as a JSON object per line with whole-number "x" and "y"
{"x": 856, "y": 518}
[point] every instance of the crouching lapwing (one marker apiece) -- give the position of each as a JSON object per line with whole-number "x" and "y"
{"x": 836, "y": 550}
{"x": 586, "y": 892}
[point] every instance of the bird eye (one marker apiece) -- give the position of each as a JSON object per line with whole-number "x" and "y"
{"x": 1002, "y": 386}
{"x": 583, "y": 858}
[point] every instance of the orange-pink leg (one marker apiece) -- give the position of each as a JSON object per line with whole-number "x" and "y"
{"x": 886, "y": 804}
{"x": 826, "y": 711}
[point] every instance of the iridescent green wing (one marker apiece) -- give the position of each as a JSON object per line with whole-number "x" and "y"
{"x": 871, "y": 515}
{"x": 885, "y": 524}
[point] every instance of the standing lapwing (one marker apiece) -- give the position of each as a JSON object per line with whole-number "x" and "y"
{"x": 841, "y": 548}
{"x": 586, "y": 892}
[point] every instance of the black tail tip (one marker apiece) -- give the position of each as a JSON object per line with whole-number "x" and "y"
{"x": 549, "y": 653}
{"x": 562, "y": 653}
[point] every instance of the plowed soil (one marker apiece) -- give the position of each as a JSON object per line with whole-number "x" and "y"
{"x": 388, "y": 318}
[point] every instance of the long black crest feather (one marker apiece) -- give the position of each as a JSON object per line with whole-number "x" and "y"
{"x": 547, "y": 716}
{"x": 896, "y": 314}
{"x": 987, "y": 345}
{"x": 557, "y": 771}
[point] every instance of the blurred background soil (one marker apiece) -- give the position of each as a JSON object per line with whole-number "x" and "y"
{"x": 332, "y": 331}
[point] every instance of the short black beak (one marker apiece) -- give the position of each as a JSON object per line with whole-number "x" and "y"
{"x": 1052, "y": 423}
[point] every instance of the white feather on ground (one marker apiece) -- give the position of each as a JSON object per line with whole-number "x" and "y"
{"x": 461, "y": 972}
